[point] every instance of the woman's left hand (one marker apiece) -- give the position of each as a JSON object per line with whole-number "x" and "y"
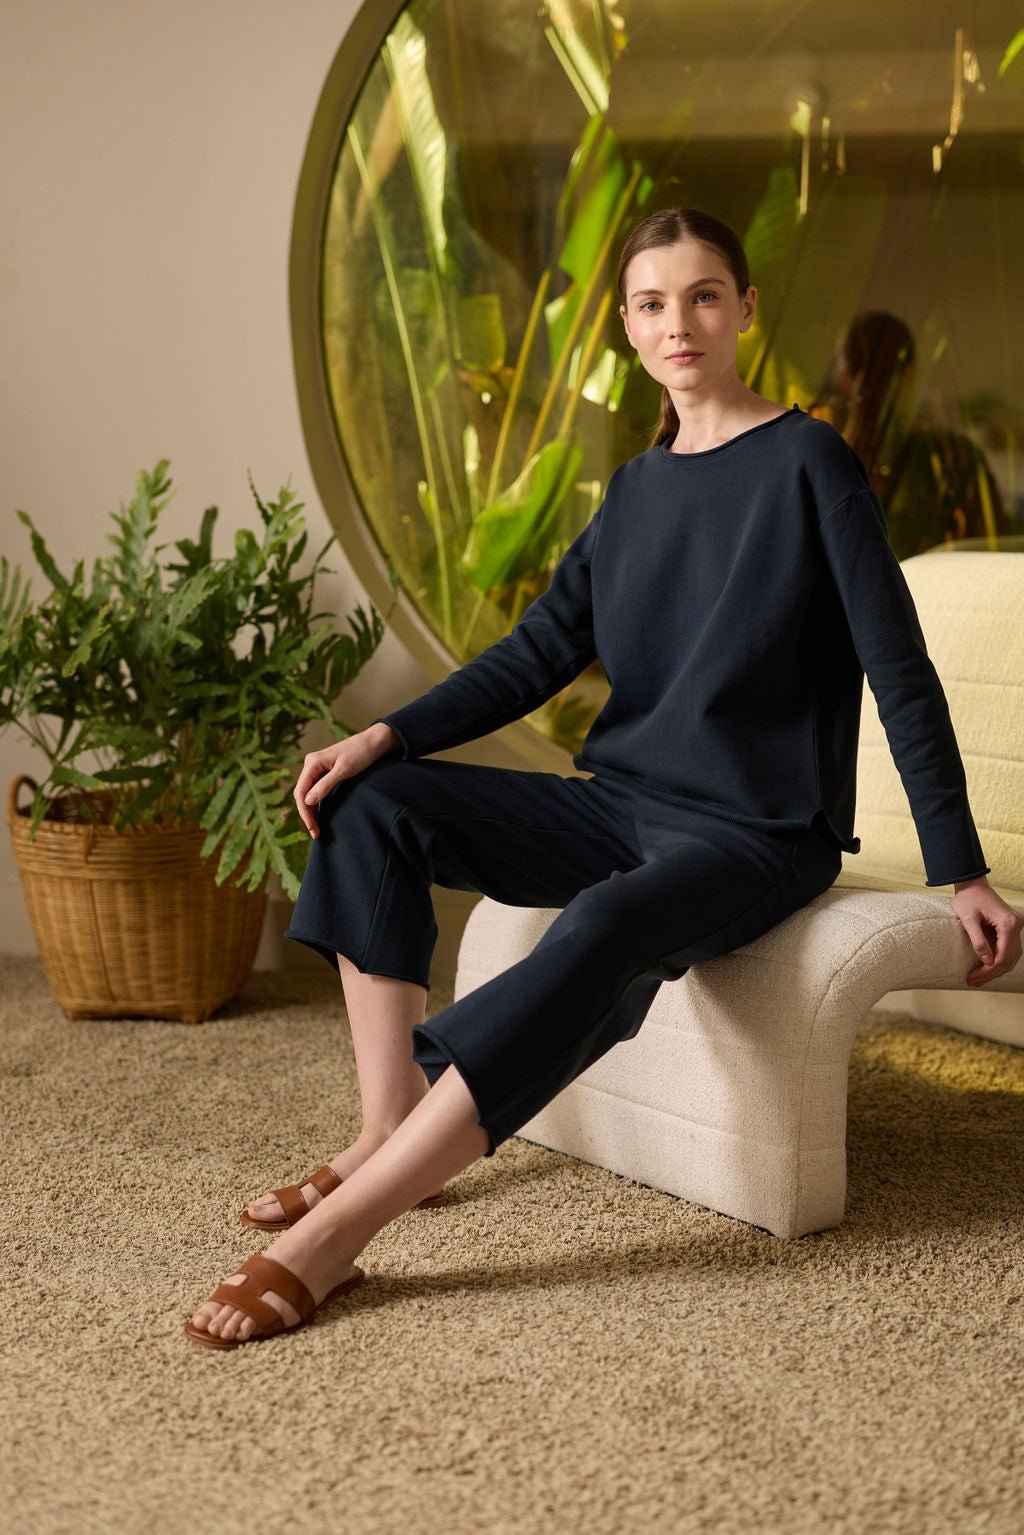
{"x": 993, "y": 928}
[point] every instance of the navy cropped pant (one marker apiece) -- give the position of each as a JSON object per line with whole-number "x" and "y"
{"x": 646, "y": 889}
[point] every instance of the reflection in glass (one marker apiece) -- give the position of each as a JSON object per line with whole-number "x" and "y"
{"x": 497, "y": 155}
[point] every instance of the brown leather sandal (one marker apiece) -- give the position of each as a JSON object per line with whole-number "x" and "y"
{"x": 324, "y": 1180}
{"x": 263, "y": 1274}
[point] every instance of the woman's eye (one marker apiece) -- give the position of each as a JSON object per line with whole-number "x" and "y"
{"x": 704, "y": 293}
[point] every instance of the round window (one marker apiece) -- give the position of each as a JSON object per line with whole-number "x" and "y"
{"x": 465, "y": 381}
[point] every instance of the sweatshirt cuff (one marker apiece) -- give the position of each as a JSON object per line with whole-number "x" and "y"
{"x": 408, "y": 750}
{"x": 959, "y": 879}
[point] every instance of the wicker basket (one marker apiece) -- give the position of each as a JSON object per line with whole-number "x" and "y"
{"x": 130, "y": 924}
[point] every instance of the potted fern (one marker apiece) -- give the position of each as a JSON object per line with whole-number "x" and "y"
{"x": 169, "y": 700}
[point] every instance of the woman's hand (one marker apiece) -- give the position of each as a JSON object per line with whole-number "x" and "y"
{"x": 342, "y": 759}
{"x": 988, "y": 921}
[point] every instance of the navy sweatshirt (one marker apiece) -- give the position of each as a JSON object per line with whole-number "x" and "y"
{"x": 735, "y": 599}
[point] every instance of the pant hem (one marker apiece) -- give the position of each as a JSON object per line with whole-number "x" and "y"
{"x": 330, "y": 950}
{"x": 434, "y": 1064}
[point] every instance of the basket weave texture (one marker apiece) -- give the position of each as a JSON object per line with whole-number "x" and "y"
{"x": 131, "y": 924}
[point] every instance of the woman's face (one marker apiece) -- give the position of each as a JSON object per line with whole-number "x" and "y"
{"x": 682, "y": 298}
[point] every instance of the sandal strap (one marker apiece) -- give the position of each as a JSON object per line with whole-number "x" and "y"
{"x": 268, "y": 1274}
{"x": 267, "y": 1317}
{"x": 325, "y": 1180}
{"x": 291, "y": 1201}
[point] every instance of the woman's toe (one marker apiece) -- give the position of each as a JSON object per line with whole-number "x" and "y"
{"x": 213, "y": 1315}
{"x": 261, "y": 1208}
{"x": 231, "y": 1324}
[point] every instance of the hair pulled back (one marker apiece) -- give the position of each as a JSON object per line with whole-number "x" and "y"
{"x": 667, "y": 228}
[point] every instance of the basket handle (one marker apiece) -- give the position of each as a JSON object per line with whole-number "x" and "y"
{"x": 12, "y": 793}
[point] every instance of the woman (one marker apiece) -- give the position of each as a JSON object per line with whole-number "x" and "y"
{"x": 736, "y": 584}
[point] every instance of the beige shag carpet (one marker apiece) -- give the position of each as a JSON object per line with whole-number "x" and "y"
{"x": 557, "y": 1351}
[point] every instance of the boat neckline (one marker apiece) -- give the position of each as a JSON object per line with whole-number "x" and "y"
{"x": 786, "y": 415}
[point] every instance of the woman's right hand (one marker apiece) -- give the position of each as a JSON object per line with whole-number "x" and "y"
{"x": 342, "y": 759}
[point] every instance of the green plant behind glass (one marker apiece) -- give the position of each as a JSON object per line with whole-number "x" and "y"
{"x": 500, "y": 508}
{"x": 503, "y": 523}
{"x": 192, "y": 683}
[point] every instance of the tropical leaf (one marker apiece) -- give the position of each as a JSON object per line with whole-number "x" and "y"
{"x": 42, "y": 553}
{"x": 405, "y": 57}
{"x": 14, "y": 596}
{"x": 63, "y": 773}
{"x": 560, "y": 317}
{"x": 135, "y": 808}
{"x": 577, "y": 33}
{"x": 196, "y": 555}
{"x": 96, "y": 625}
{"x": 606, "y": 381}
{"x": 183, "y": 600}
{"x": 504, "y": 541}
{"x": 136, "y": 524}
{"x": 1014, "y": 47}
{"x": 597, "y": 175}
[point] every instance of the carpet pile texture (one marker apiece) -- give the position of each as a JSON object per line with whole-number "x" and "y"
{"x": 559, "y": 1350}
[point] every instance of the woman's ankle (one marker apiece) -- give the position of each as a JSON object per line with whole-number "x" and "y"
{"x": 379, "y": 1127}
{"x": 374, "y": 1134}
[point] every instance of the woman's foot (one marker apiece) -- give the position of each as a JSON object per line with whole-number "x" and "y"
{"x": 268, "y": 1208}
{"x": 308, "y": 1257}
{"x": 439, "y": 1139}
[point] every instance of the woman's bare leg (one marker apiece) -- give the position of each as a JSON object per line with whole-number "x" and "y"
{"x": 382, "y": 1013}
{"x": 437, "y": 1139}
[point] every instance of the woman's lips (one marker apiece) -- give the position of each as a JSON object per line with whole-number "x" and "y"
{"x": 684, "y": 356}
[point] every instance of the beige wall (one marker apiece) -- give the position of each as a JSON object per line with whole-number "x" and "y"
{"x": 150, "y": 155}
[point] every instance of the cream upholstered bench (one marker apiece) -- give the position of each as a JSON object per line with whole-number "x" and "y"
{"x": 733, "y": 1094}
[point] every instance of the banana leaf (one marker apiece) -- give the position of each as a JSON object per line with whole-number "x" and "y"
{"x": 505, "y": 539}
{"x": 405, "y": 58}
{"x": 597, "y": 175}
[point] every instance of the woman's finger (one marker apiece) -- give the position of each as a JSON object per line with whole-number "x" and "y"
{"x": 312, "y": 770}
{"x": 322, "y": 787}
{"x": 306, "y": 816}
{"x": 321, "y": 772}
{"x": 1007, "y": 949}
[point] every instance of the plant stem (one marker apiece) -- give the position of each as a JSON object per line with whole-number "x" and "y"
{"x": 454, "y": 499}
{"x": 585, "y": 360}
{"x": 517, "y": 384}
{"x": 477, "y": 606}
{"x": 39, "y": 741}
{"x": 517, "y": 600}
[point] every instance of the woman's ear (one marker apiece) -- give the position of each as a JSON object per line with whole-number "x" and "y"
{"x": 747, "y": 306}
{"x": 625, "y": 323}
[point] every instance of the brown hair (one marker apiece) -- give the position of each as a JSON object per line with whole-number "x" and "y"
{"x": 667, "y": 228}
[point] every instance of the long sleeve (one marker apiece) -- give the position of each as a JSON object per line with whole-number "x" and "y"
{"x": 912, "y": 705}
{"x": 549, "y": 646}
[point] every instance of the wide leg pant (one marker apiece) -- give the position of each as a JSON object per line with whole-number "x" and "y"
{"x": 646, "y": 889}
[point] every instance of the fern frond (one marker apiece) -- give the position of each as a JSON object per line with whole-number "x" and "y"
{"x": 13, "y": 596}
